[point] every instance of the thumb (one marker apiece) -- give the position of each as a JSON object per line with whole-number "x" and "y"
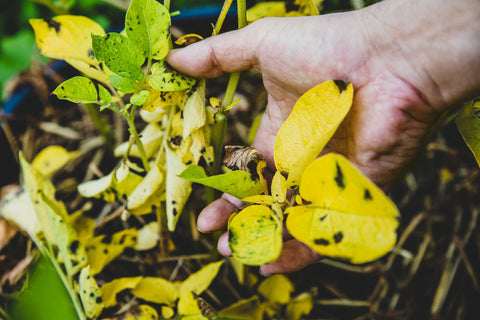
{"x": 225, "y": 53}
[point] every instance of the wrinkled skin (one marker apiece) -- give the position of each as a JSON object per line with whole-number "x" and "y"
{"x": 409, "y": 62}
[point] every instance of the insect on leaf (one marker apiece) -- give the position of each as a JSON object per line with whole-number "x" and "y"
{"x": 237, "y": 183}
{"x": 68, "y": 38}
{"x": 255, "y": 235}
{"x": 120, "y": 56}
{"x": 82, "y": 90}
{"x": 349, "y": 216}
{"x": 110, "y": 289}
{"x": 52, "y": 158}
{"x": 90, "y": 294}
{"x": 313, "y": 121}
{"x": 468, "y": 123}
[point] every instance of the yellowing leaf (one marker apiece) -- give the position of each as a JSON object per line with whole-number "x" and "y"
{"x": 194, "y": 113}
{"x": 69, "y": 38}
{"x": 90, "y": 294}
{"x": 17, "y": 207}
{"x": 178, "y": 189}
{"x": 468, "y": 123}
{"x": 50, "y": 159}
{"x": 247, "y": 309}
{"x": 279, "y": 187}
{"x": 110, "y": 289}
{"x": 266, "y": 9}
{"x": 157, "y": 290}
{"x": 82, "y": 90}
{"x": 101, "y": 250}
{"x": 188, "y": 306}
{"x": 147, "y": 313}
{"x": 151, "y": 138}
{"x": 299, "y": 306}
{"x": 148, "y": 236}
{"x": 349, "y": 216}
{"x": 159, "y": 99}
{"x": 276, "y": 289}
{"x": 149, "y": 192}
{"x": 187, "y": 39}
{"x": 255, "y": 235}
{"x": 313, "y": 121}
{"x": 199, "y": 281}
{"x": 264, "y": 199}
{"x": 167, "y": 312}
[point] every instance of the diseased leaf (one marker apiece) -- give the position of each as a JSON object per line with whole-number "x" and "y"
{"x": 468, "y": 123}
{"x": 194, "y": 113}
{"x": 17, "y": 207}
{"x": 349, "y": 216}
{"x": 178, "y": 189}
{"x": 122, "y": 84}
{"x": 119, "y": 55}
{"x": 157, "y": 290}
{"x": 147, "y": 313}
{"x": 148, "y": 193}
{"x": 82, "y": 90}
{"x": 313, "y": 121}
{"x": 187, "y": 39}
{"x": 83, "y": 225}
{"x": 68, "y": 38}
{"x": 279, "y": 187}
{"x": 90, "y": 294}
{"x": 51, "y": 158}
{"x": 101, "y": 250}
{"x": 147, "y": 23}
{"x": 264, "y": 199}
{"x": 247, "y": 309}
{"x": 148, "y": 236}
{"x": 276, "y": 289}
{"x": 237, "y": 183}
{"x": 255, "y": 235}
{"x": 200, "y": 280}
{"x": 170, "y": 81}
{"x": 110, "y": 289}
{"x": 159, "y": 99}
{"x": 151, "y": 137}
{"x": 299, "y": 306}
{"x": 266, "y": 9}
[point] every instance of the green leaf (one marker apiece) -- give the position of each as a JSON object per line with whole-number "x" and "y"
{"x": 146, "y": 24}
{"x": 123, "y": 84}
{"x": 468, "y": 123}
{"x": 139, "y": 99}
{"x": 120, "y": 56}
{"x": 82, "y": 90}
{"x": 237, "y": 183}
{"x": 170, "y": 81}
{"x": 90, "y": 294}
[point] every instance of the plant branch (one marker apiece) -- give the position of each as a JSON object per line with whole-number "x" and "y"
{"x": 133, "y": 131}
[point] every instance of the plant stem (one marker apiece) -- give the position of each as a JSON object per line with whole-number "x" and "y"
{"x": 221, "y": 18}
{"x": 138, "y": 142}
{"x": 242, "y": 13}
{"x": 166, "y": 4}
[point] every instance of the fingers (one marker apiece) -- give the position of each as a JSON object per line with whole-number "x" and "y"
{"x": 229, "y": 52}
{"x": 295, "y": 256}
{"x": 215, "y": 216}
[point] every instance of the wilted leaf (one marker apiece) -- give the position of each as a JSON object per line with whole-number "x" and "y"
{"x": 188, "y": 307}
{"x": 313, "y": 121}
{"x": 148, "y": 193}
{"x": 237, "y": 183}
{"x": 110, "y": 289}
{"x": 83, "y": 225}
{"x": 194, "y": 113}
{"x": 147, "y": 23}
{"x": 148, "y": 236}
{"x": 102, "y": 249}
{"x": 82, "y": 90}
{"x": 157, "y": 290}
{"x": 119, "y": 55}
{"x": 279, "y": 187}
{"x": 255, "y": 235}
{"x": 90, "y": 294}
{"x": 266, "y": 9}
{"x": 68, "y": 38}
{"x": 158, "y": 99}
{"x": 299, "y": 306}
{"x": 247, "y": 309}
{"x": 276, "y": 289}
{"x": 147, "y": 313}
{"x": 468, "y": 123}
{"x": 151, "y": 137}
{"x": 17, "y": 207}
{"x": 51, "y": 158}
{"x": 199, "y": 281}
{"x": 349, "y": 216}
{"x": 187, "y": 39}
{"x": 264, "y": 199}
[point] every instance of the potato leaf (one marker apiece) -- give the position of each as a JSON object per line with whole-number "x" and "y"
{"x": 237, "y": 183}
{"x": 266, "y": 9}
{"x": 82, "y": 90}
{"x": 119, "y": 55}
{"x": 90, "y": 294}
{"x": 194, "y": 113}
{"x": 110, "y": 289}
{"x": 68, "y": 38}
{"x": 299, "y": 306}
{"x": 276, "y": 289}
{"x": 149, "y": 192}
{"x": 159, "y": 99}
{"x": 255, "y": 235}
{"x": 147, "y": 313}
{"x": 199, "y": 281}
{"x": 157, "y": 290}
{"x": 349, "y": 216}
{"x": 51, "y": 158}
{"x": 313, "y": 121}
{"x": 247, "y": 309}
{"x": 151, "y": 137}
{"x": 170, "y": 81}
{"x": 148, "y": 236}
{"x": 147, "y": 23}
{"x": 468, "y": 123}
{"x": 17, "y": 207}
{"x": 122, "y": 84}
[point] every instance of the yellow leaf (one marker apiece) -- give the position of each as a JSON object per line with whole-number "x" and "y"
{"x": 200, "y": 146}
{"x": 299, "y": 306}
{"x": 51, "y": 159}
{"x": 159, "y": 99}
{"x": 239, "y": 269}
{"x": 266, "y": 9}
{"x": 349, "y": 216}
{"x": 148, "y": 236}
{"x": 247, "y": 309}
{"x": 167, "y": 312}
{"x": 151, "y": 138}
{"x": 188, "y": 306}
{"x": 199, "y": 281}
{"x": 149, "y": 192}
{"x": 255, "y": 235}
{"x": 68, "y": 38}
{"x": 110, "y": 289}
{"x": 178, "y": 189}
{"x": 83, "y": 225}
{"x": 313, "y": 121}
{"x": 157, "y": 290}
{"x": 101, "y": 250}
{"x": 468, "y": 123}
{"x": 17, "y": 207}
{"x": 266, "y": 200}
{"x": 276, "y": 289}
{"x": 194, "y": 112}
{"x": 155, "y": 115}
{"x": 147, "y": 313}
{"x": 187, "y": 39}
{"x": 279, "y": 187}
{"x": 90, "y": 294}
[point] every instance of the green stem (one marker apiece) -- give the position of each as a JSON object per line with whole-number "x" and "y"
{"x": 230, "y": 91}
{"x": 242, "y": 13}
{"x": 166, "y": 4}
{"x": 221, "y": 18}
{"x": 138, "y": 142}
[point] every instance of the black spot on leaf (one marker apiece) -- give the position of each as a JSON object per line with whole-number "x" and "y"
{"x": 321, "y": 242}
{"x": 74, "y": 246}
{"x": 367, "y": 195}
{"x": 177, "y": 140}
{"x": 323, "y": 217}
{"x": 337, "y": 237}
{"x": 174, "y": 211}
{"x": 53, "y": 24}
{"x": 341, "y": 85}
{"x": 339, "y": 178}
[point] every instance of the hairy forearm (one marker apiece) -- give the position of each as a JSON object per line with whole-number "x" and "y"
{"x": 439, "y": 42}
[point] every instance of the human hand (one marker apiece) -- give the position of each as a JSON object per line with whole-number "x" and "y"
{"x": 399, "y": 90}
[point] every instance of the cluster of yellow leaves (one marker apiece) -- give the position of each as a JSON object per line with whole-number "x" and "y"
{"x": 284, "y": 9}
{"x": 335, "y": 209}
